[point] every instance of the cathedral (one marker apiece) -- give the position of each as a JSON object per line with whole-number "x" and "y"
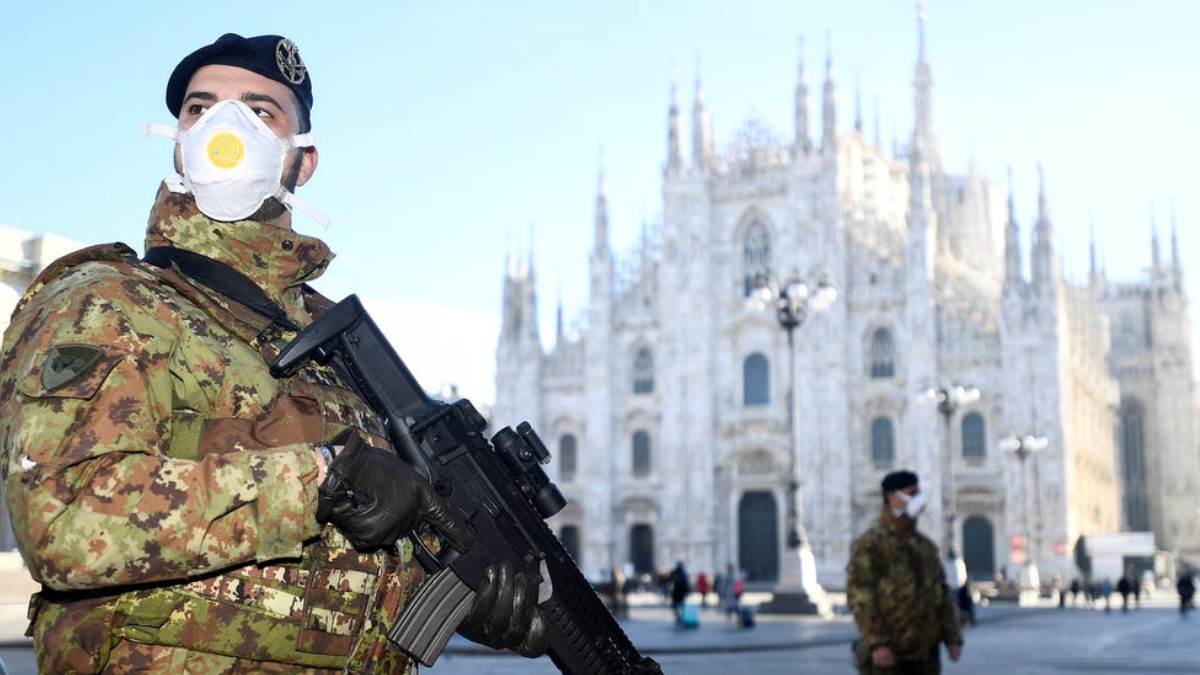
{"x": 667, "y": 413}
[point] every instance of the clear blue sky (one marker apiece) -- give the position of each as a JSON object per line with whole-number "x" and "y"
{"x": 442, "y": 127}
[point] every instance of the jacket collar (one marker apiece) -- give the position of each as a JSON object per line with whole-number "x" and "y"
{"x": 275, "y": 258}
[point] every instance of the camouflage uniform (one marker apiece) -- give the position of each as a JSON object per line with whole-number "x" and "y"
{"x": 165, "y": 497}
{"x": 896, "y": 589}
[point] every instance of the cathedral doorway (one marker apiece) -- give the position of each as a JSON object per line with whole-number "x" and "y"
{"x": 758, "y": 536}
{"x": 979, "y": 548}
{"x": 641, "y": 549}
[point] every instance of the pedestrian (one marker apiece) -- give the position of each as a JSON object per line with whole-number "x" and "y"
{"x": 1187, "y": 590}
{"x": 181, "y": 507}
{"x": 1137, "y": 592}
{"x": 1075, "y": 592}
{"x": 1106, "y": 591}
{"x": 678, "y": 582}
{"x": 1057, "y": 584}
{"x": 1124, "y": 587}
{"x": 725, "y": 592}
{"x": 618, "y": 591}
{"x": 896, "y": 589}
{"x": 966, "y": 605}
{"x": 702, "y": 588}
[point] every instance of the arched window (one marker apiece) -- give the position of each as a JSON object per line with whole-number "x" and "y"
{"x": 756, "y": 256}
{"x": 641, "y": 452}
{"x": 882, "y": 358}
{"x": 883, "y": 441}
{"x": 643, "y": 372}
{"x": 566, "y": 456}
{"x": 974, "y": 443}
{"x": 756, "y": 380}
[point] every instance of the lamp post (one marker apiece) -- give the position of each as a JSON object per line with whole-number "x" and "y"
{"x": 949, "y": 399}
{"x": 1022, "y": 447}
{"x": 798, "y": 591}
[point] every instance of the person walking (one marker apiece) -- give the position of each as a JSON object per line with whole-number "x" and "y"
{"x": 1106, "y": 590}
{"x": 679, "y": 587}
{"x": 1075, "y": 592}
{"x": 1187, "y": 590}
{"x": 1124, "y": 587}
{"x": 966, "y": 605}
{"x": 702, "y": 588}
{"x": 896, "y": 588}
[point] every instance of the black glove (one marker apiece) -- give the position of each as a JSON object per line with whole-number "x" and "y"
{"x": 374, "y": 498}
{"x": 505, "y": 614}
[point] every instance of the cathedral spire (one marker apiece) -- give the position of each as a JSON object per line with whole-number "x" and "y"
{"x": 878, "y": 135}
{"x": 1174, "y": 242}
{"x": 858, "y": 118}
{"x": 558, "y": 319}
{"x": 802, "y": 144}
{"x": 1012, "y": 242}
{"x": 702, "y": 149}
{"x": 1042, "y": 261}
{"x": 828, "y": 104}
{"x": 600, "y": 226}
{"x": 674, "y": 134}
{"x": 1156, "y": 259}
{"x": 923, "y": 92}
{"x": 1093, "y": 273}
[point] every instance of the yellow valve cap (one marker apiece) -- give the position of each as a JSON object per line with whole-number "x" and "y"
{"x": 226, "y": 150}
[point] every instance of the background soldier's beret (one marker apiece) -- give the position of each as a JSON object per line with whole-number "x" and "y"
{"x": 898, "y": 480}
{"x": 271, "y": 56}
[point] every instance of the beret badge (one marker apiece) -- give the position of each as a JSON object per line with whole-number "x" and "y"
{"x": 287, "y": 57}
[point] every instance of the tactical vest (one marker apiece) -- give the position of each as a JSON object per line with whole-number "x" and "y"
{"x": 327, "y": 610}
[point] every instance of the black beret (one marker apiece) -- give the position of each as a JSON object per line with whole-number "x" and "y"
{"x": 898, "y": 480}
{"x": 271, "y": 56}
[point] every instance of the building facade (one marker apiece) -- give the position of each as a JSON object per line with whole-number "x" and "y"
{"x": 667, "y": 413}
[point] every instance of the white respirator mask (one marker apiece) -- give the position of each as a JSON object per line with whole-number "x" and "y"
{"x": 914, "y": 505}
{"x": 233, "y": 162}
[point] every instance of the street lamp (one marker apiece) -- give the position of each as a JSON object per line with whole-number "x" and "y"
{"x": 1022, "y": 447}
{"x": 949, "y": 399}
{"x": 798, "y": 591}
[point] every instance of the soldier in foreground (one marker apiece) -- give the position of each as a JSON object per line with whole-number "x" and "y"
{"x": 896, "y": 589}
{"x": 184, "y": 510}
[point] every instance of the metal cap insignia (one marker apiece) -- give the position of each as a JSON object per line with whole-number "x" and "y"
{"x": 287, "y": 57}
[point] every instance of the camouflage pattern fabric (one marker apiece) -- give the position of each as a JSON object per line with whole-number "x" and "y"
{"x": 166, "y": 495}
{"x": 896, "y": 589}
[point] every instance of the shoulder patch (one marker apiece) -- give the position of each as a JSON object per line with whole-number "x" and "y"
{"x": 66, "y": 363}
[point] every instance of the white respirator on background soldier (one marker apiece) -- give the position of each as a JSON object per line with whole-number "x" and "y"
{"x": 233, "y": 162}
{"x": 914, "y": 505}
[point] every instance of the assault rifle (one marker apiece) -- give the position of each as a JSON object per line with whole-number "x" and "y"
{"x": 497, "y": 487}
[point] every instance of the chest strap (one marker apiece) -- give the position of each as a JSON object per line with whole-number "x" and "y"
{"x": 221, "y": 278}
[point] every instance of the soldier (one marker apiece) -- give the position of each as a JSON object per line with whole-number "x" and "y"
{"x": 897, "y": 590}
{"x": 184, "y": 510}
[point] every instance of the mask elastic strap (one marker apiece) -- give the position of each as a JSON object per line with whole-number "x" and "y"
{"x": 156, "y": 129}
{"x": 174, "y": 183}
{"x": 290, "y": 200}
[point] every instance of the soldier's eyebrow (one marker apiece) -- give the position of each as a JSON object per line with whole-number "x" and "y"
{"x": 252, "y": 97}
{"x": 199, "y": 95}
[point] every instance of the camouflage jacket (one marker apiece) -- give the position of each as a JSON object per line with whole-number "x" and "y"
{"x": 165, "y": 495}
{"x": 896, "y": 588}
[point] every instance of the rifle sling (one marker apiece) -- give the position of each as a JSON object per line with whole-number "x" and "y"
{"x": 221, "y": 278}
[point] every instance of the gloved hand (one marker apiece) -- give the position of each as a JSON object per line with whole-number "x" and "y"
{"x": 373, "y": 497}
{"x": 505, "y": 614}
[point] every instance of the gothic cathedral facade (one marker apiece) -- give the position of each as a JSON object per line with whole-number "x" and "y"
{"x": 667, "y": 414}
